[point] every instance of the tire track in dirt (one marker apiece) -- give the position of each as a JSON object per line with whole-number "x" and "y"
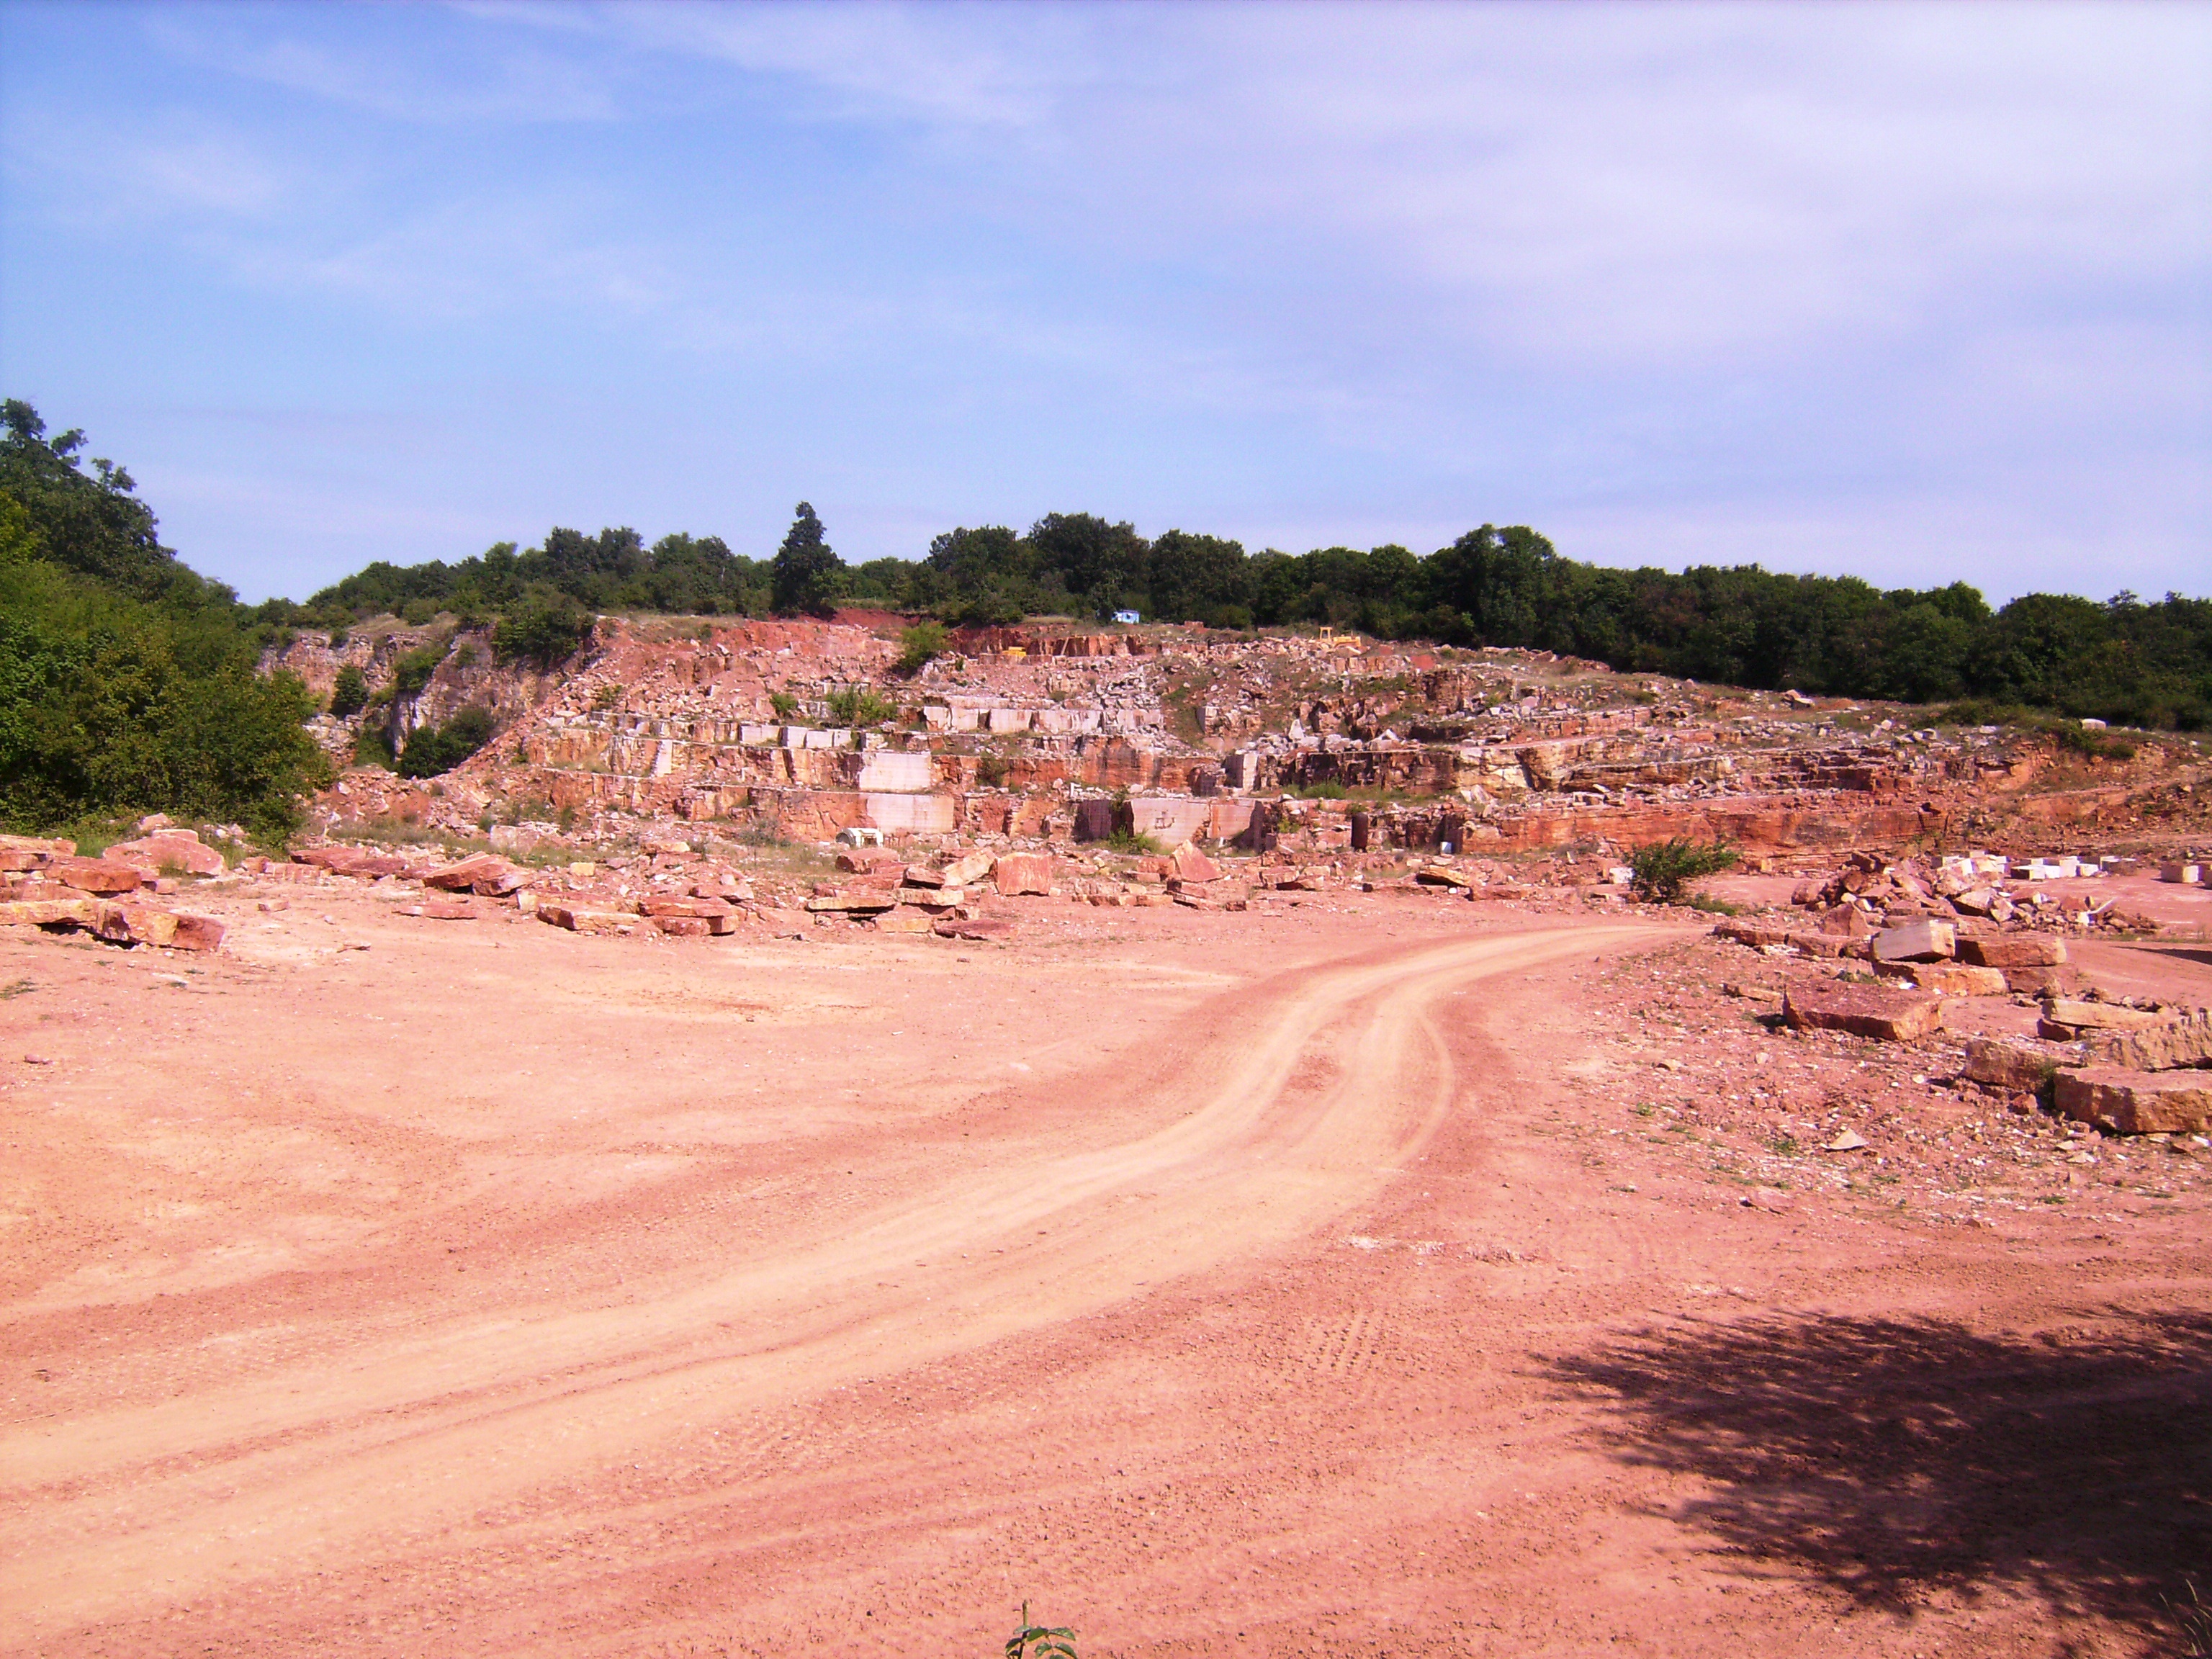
{"x": 396, "y": 1446}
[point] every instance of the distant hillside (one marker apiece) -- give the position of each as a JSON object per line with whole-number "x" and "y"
{"x": 127, "y": 681}
{"x": 2121, "y": 660}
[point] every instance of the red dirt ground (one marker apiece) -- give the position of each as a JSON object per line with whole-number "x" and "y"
{"x": 1295, "y": 1284}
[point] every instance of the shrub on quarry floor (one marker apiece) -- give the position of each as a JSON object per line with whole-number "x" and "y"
{"x": 1664, "y": 870}
{"x": 858, "y": 705}
{"x": 919, "y": 645}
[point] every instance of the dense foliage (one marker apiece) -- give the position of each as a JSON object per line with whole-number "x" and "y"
{"x": 1662, "y": 872}
{"x": 2123, "y": 659}
{"x": 806, "y": 569}
{"x": 127, "y": 682}
{"x": 434, "y": 749}
{"x": 544, "y": 628}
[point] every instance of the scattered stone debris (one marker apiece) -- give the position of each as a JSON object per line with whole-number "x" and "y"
{"x": 115, "y": 897}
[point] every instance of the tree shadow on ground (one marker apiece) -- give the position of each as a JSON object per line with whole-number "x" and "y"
{"x": 1894, "y": 1457}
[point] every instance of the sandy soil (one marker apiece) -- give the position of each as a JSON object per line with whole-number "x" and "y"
{"x": 1308, "y": 1283}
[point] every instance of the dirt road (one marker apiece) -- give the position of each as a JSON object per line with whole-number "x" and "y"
{"x": 634, "y": 1302}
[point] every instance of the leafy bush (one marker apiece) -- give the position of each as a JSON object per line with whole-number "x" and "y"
{"x": 860, "y": 705}
{"x": 919, "y": 645}
{"x": 1130, "y": 841}
{"x": 432, "y": 750}
{"x": 2068, "y": 735}
{"x": 1664, "y": 869}
{"x": 991, "y": 771}
{"x": 607, "y": 697}
{"x": 413, "y": 670}
{"x": 127, "y": 682}
{"x": 544, "y": 628}
{"x": 784, "y": 703}
{"x": 351, "y": 694}
{"x": 371, "y": 746}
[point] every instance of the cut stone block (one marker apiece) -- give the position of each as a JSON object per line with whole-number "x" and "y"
{"x": 962, "y": 871}
{"x": 2014, "y": 951}
{"x": 1868, "y": 1011}
{"x": 1023, "y": 872}
{"x": 975, "y": 928}
{"x": 2184, "y": 1041}
{"x": 1916, "y": 941}
{"x": 94, "y": 875}
{"x": 2136, "y": 1102}
{"x": 586, "y": 922}
{"x": 49, "y": 913}
{"x": 903, "y": 922}
{"x": 2007, "y": 1065}
{"x": 1948, "y": 979}
{"x": 2076, "y": 1016}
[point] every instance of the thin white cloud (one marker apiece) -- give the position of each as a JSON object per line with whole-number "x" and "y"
{"x": 994, "y": 67}
{"x": 497, "y": 82}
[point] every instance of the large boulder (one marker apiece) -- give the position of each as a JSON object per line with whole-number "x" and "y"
{"x": 967, "y": 870}
{"x": 1950, "y": 979}
{"x": 100, "y": 876}
{"x": 178, "y": 850}
{"x": 2066, "y": 1017}
{"x": 1868, "y": 1011}
{"x": 2136, "y": 1102}
{"x": 352, "y": 861}
{"x": 2014, "y": 951}
{"x": 585, "y": 922}
{"x": 1023, "y": 872}
{"x": 1191, "y": 864}
{"x": 80, "y": 912}
{"x": 2006, "y": 1064}
{"x": 480, "y": 873}
{"x": 1916, "y": 941}
{"x": 972, "y": 927}
{"x": 2186, "y": 1041}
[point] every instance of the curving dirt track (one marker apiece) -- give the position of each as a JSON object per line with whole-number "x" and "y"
{"x": 724, "y": 1302}
{"x": 398, "y": 1442}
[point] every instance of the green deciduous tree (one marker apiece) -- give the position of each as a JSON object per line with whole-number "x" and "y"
{"x": 806, "y": 569}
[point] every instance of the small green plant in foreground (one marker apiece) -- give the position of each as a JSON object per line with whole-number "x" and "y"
{"x": 1037, "y": 1641}
{"x": 1664, "y": 870}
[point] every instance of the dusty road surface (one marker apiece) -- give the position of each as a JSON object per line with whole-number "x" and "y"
{"x": 1286, "y": 1284}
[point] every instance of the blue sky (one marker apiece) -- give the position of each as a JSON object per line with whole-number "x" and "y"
{"x": 1917, "y": 293}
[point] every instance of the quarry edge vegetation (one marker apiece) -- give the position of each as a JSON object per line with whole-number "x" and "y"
{"x": 128, "y": 684}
